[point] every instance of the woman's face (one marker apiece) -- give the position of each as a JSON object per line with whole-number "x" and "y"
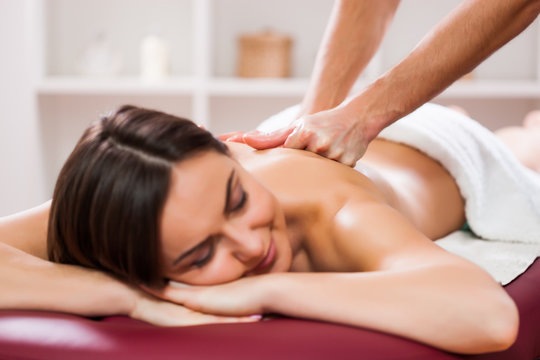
{"x": 220, "y": 224}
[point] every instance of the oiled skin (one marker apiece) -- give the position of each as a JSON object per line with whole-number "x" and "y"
{"x": 313, "y": 189}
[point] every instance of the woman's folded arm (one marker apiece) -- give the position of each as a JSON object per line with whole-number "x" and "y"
{"x": 446, "y": 306}
{"x": 30, "y": 282}
{"x": 410, "y": 287}
{"x": 405, "y": 285}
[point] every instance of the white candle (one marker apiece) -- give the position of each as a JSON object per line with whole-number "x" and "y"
{"x": 155, "y": 58}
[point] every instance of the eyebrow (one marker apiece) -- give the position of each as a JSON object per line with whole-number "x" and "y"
{"x": 201, "y": 244}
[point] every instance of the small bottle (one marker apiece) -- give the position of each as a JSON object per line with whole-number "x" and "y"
{"x": 155, "y": 58}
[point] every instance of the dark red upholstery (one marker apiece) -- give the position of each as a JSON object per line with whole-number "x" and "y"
{"x": 42, "y": 335}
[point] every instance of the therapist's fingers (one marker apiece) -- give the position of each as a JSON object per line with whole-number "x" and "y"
{"x": 236, "y": 138}
{"x": 299, "y": 138}
{"x": 336, "y": 153}
{"x": 261, "y": 141}
{"x": 330, "y": 133}
{"x": 349, "y": 158}
{"x": 231, "y": 136}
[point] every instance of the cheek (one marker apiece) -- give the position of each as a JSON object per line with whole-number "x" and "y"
{"x": 263, "y": 207}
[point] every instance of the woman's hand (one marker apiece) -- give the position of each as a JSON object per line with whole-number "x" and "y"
{"x": 244, "y": 297}
{"x": 150, "y": 309}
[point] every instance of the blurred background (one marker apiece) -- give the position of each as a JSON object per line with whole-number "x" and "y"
{"x": 227, "y": 64}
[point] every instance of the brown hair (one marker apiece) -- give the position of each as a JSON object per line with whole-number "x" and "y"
{"x": 110, "y": 193}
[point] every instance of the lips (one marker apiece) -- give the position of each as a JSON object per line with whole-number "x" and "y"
{"x": 269, "y": 258}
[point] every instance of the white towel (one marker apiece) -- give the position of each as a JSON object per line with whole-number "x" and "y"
{"x": 502, "y": 197}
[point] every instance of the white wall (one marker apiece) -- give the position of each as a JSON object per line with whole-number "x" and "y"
{"x": 21, "y": 180}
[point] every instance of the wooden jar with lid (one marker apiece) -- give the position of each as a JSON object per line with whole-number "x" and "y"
{"x": 265, "y": 54}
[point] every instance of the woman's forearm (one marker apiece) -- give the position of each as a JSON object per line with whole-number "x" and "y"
{"x": 28, "y": 281}
{"x": 353, "y": 34}
{"x": 31, "y": 283}
{"x": 448, "y": 307}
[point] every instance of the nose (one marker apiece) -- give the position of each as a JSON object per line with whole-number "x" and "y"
{"x": 246, "y": 244}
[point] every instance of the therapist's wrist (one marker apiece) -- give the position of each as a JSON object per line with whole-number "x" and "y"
{"x": 374, "y": 109}
{"x": 322, "y": 99}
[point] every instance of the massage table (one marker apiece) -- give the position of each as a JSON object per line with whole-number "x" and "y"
{"x": 47, "y": 335}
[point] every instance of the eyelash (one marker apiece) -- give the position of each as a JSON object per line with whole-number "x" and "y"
{"x": 206, "y": 259}
{"x": 241, "y": 203}
{"x": 201, "y": 262}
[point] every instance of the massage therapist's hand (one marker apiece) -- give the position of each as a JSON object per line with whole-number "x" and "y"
{"x": 156, "y": 311}
{"x": 243, "y": 297}
{"x": 330, "y": 133}
{"x": 235, "y": 136}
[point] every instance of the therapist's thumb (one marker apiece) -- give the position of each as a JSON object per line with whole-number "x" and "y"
{"x": 261, "y": 141}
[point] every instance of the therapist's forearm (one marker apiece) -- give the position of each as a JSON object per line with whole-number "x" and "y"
{"x": 353, "y": 35}
{"x": 460, "y": 42}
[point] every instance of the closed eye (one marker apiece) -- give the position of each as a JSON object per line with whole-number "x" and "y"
{"x": 205, "y": 258}
{"x": 241, "y": 202}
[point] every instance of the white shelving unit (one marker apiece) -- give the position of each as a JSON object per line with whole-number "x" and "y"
{"x": 234, "y": 87}
{"x": 203, "y": 86}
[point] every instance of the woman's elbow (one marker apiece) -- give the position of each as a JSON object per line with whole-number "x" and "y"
{"x": 499, "y": 326}
{"x": 505, "y": 327}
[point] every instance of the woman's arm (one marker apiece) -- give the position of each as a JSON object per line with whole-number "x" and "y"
{"x": 27, "y": 230}
{"x": 410, "y": 287}
{"x": 30, "y": 282}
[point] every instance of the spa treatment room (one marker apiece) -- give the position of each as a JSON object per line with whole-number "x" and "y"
{"x": 270, "y": 179}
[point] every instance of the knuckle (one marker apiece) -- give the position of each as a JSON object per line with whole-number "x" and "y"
{"x": 323, "y": 143}
{"x": 349, "y": 159}
{"x": 295, "y": 141}
{"x": 336, "y": 153}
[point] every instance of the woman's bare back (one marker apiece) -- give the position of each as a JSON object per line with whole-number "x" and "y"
{"x": 313, "y": 189}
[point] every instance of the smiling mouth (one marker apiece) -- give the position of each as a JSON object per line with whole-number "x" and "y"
{"x": 269, "y": 258}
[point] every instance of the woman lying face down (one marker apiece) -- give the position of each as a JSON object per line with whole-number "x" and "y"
{"x": 150, "y": 197}
{"x": 147, "y": 195}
